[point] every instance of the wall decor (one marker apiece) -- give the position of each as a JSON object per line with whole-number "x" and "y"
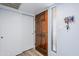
{"x": 68, "y": 20}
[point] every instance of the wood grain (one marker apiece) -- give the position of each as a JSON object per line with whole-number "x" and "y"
{"x": 41, "y": 32}
{"x": 30, "y": 52}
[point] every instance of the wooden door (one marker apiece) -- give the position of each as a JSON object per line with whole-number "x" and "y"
{"x": 41, "y": 27}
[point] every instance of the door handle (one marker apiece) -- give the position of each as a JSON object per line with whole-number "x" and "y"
{"x": 1, "y": 37}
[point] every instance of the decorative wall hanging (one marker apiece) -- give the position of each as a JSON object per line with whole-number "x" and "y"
{"x": 68, "y": 20}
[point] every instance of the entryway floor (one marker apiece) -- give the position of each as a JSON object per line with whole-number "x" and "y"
{"x": 30, "y": 52}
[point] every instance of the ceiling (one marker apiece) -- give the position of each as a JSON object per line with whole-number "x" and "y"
{"x": 32, "y": 8}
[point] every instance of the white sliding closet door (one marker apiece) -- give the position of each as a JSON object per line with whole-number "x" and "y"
{"x": 16, "y": 32}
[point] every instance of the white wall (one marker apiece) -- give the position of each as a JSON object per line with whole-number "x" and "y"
{"x": 17, "y": 30}
{"x": 67, "y": 42}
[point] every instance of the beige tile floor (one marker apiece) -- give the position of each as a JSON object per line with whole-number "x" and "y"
{"x": 30, "y": 52}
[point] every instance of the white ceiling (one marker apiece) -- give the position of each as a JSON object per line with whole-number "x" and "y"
{"x": 34, "y": 8}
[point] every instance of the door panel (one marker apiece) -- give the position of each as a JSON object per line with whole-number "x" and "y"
{"x": 41, "y": 23}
